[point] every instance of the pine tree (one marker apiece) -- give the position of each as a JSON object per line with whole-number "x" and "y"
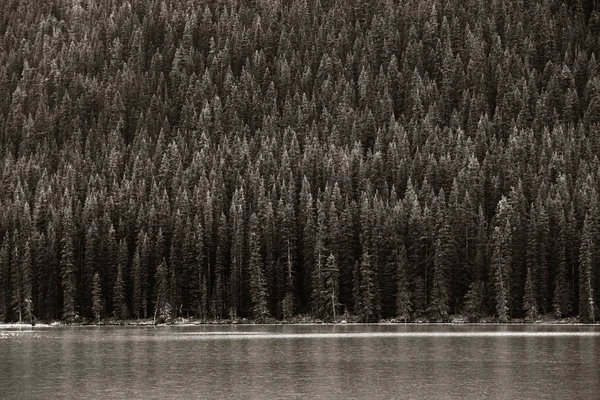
{"x": 318, "y": 278}
{"x": 403, "y": 304}
{"x": 203, "y": 307}
{"x": 162, "y": 307}
{"x": 16, "y": 280}
{"x": 97, "y": 300}
{"x": 529, "y": 299}
{"x": 586, "y": 267}
{"x": 90, "y": 266}
{"x": 474, "y": 301}
{"x": 138, "y": 297}
{"x": 4, "y": 279}
{"x": 530, "y": 295}
{"x": 501, "y": 260}
{"x": 562, "y": 305}
{"x": 120, "y": 309}
{"x": 367, "y": 311}
{"x": 331, "y": 275}
{"x": 439, "y": 306}
{"x": 258, "y": 289}
{"x": 67, "y": 266}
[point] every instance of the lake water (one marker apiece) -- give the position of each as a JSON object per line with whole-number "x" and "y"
{"x": 308, "y": 362}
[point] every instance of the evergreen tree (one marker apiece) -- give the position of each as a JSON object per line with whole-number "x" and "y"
{"x": 366, "y": 287}
{"x": 258, "y": 290}
{"x": 562, "y": 305}
{"x": 403, "y": 304}
{"x": 21, "y": 280}
{"x": 586, "y": 266}
{"x": 331, "y": 275}
{"x": 318, "y": 277}
{"x": 4, "y": 280}
{"x": 474, "y": 301}
{"x": 68, "y": 266}
{"x": 530, "y": 295}
{"x": 97, "y": 300}
{"x": 501, "y": 259}
{"x": 162, "y": 307}
{"x": 439, "y": 306}
{"x": 120, "y": 309}
{"x": 138, "y": 296}
{"x": 529, "y": 299}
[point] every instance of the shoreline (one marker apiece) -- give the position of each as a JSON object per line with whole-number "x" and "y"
{"x": 247, "y": 322}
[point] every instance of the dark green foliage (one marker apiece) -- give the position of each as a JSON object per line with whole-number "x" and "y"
{"x": 136, "y": 141}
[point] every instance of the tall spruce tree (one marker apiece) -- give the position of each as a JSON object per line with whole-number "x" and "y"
{"x": 501, "y": 260}
{"x": 162, "y": 307}
{"x": 97, "y": 299}
{"x": 366, "y": 287}
{"x": 258, "y": 289}
{"x": 404, "y": 307}
{"x": 562, "y": 304}
{"x": 331, "y": 275}
{"x": 587, "y": 261}
{"x": 67, "y": 265}
{"x": 439, "y": 307}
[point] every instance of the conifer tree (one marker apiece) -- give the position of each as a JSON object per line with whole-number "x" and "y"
{"x": 258, "y": 290}
{"x": 331, "y": 275}
{"x": 90, "y": 267}
{"x": 4, "y": 279}
{"x": 501, "y": 260}
{"x": 17, "y": 301}
{"x": 162, "y": 307}
{"x": 529, "y": 299}
{"x": 403, "y": 304}
{"x": 97, "y": 300}
{"x": 562, "y": 305}
{"x": 366, "y": 287}
{"x": 120, "y": 309}
{"x": 138, "y": 296}
{"x": 474, "y": 301}
{"x": 67, "y": 266}
{"x": 318, "y": 277}
{"x": 439, "y": 306}
{"x": 586, "y": 266}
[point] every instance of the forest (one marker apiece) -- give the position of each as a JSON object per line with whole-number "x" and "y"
{"x": 269, "y": 159}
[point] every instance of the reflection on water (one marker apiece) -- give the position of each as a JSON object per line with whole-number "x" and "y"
{"x": 328, "y": 362}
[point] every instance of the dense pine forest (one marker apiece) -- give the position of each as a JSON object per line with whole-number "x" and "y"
{"x": 223, "y": 159}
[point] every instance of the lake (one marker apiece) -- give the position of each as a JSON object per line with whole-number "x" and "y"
{"x": 301, "y": 361}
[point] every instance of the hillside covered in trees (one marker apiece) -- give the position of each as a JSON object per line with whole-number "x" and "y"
{"x": 227, "y": 158}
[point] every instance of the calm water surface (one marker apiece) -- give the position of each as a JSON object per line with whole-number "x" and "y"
{"x": 325, "y": 362}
